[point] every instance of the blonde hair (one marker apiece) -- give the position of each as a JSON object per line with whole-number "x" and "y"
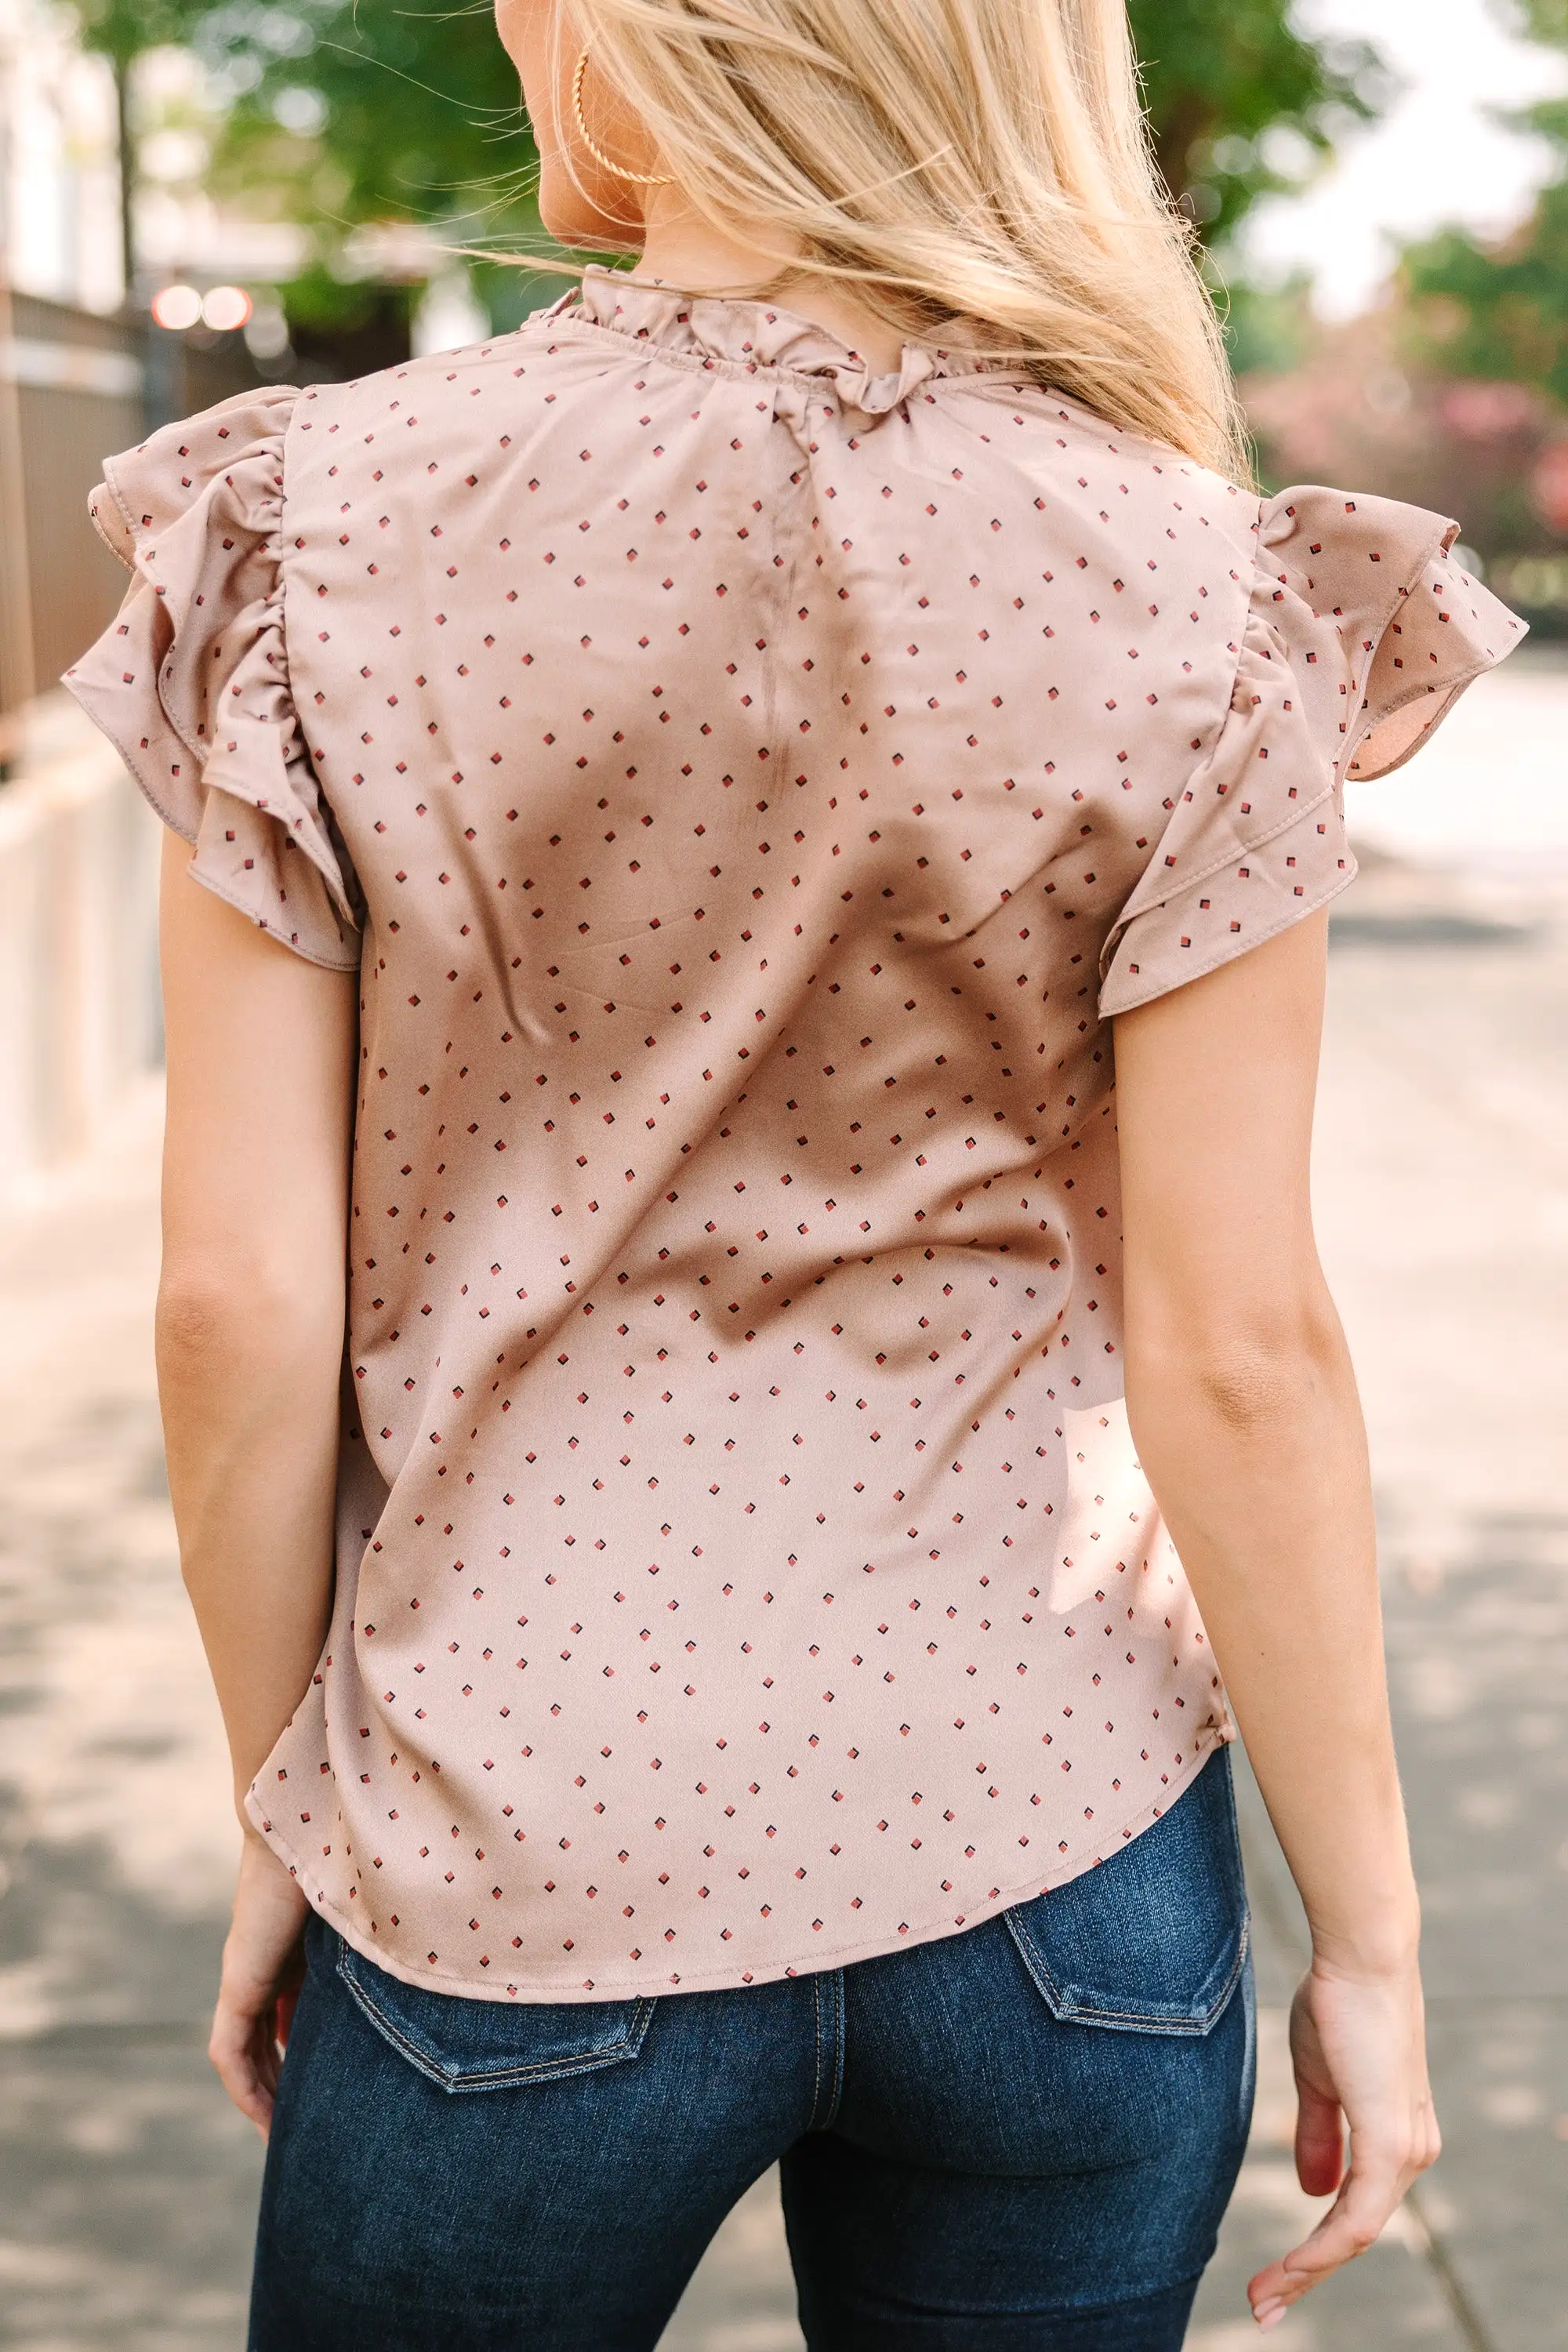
{"x": 979, "y": 159}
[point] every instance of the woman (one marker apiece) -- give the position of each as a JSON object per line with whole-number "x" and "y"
{"x": 697, "y": 794}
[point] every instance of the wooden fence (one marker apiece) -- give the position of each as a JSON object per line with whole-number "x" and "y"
{"x": 80, "y": 1017}
{"x": 78, "y": 996}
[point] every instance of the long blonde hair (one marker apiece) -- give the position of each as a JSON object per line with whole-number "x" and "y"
{"x": 983, "y": 160}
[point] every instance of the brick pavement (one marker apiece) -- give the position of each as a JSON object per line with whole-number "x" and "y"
{"x": 126, "y": 2186}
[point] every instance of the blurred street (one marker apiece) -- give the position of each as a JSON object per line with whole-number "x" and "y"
{"x": 127, "y": 2187}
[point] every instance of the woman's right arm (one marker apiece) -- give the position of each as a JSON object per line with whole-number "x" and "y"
{"x": 1245, "y": 1413}
{"x": 250, "y": 1338}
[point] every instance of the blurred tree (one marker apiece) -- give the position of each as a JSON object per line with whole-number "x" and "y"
{"x": 1354, "y": 410}
{"x": 1271, "y": 328}
{"x": 1493, "y": 313}
{"x": 344, "y": 115}
{"x": 1241, "y": 104}
{"x": 1501, "y": 310}
{"x": 120, "y": 30}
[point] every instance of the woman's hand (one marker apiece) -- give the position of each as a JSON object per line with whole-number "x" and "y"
{"x": 1359, "y": 2047}
{"x": 263, "y": 1968}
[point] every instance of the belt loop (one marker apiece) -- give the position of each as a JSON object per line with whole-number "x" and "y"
{"x": 828, "y": 1991}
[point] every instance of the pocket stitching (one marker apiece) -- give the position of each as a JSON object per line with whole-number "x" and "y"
{"x": 1062, "y": 2007}
{"x": 499, "y": 2078}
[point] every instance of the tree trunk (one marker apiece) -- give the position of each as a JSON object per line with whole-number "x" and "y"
{"x": 126, "y": 177}
{"x": 17, "y": 669}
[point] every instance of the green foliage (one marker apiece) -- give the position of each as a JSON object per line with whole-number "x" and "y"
{"x": 1270, "y": 330}
{"x": 348, "y": 113}
{"x": 1501, "y": 310}
{"x": 1547, "y": 19}
{"x": 122, "y": 29}
{"x": 1240, "y": 103}
{"x": 1482, "y": 311}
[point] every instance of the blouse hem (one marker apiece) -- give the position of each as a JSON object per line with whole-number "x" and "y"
{"x": 1452, "y": 688}
{"x": 732, "y": 1977}
{"x": 121, "y": 736}
{"x": 350, "y": 963}
{"x": 1216, "y": 865}
{"x": 1225, "y": 951}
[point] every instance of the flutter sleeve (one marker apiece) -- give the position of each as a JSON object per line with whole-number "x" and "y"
{"x": 190, "y": 682}
{"x": 1361, "y": 631}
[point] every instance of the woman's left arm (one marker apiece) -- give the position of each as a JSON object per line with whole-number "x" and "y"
{"x": 1244, "y": 1409}
{"x": 251, "y": 1307}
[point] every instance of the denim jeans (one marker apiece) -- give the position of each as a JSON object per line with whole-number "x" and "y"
{"x": 1021, "y": 2135}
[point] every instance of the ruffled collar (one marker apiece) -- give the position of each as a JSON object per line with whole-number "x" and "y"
{"x": 717, "y": 331}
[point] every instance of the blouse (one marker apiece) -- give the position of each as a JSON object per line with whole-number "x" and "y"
{"x": 747, "y": 787}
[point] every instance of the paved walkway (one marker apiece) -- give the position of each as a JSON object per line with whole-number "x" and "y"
{"x": 127, "y": 2187}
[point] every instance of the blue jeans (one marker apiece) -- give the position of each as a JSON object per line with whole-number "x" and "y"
{"x": 1022, "y": 2135}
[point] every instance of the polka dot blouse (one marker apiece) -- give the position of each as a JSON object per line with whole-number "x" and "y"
{"x": 746, "y": 786}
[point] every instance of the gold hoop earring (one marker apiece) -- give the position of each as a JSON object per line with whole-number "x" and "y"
{"x": 642, "y": 179}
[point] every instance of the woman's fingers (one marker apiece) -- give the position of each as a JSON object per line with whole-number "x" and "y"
{"x": 1319, "y": 2140}
{"x": 1372, "y": 2190}
{"x": 283, "y": 2024}
{"x": 262, "y": 1969}
{"x": 1359, "y": 2055}
{"x": 241, "y": 2048}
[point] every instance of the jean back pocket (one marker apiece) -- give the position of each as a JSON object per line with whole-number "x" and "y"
{"x": 488, "y": 2045}
{"x": 1153, "y": 1940}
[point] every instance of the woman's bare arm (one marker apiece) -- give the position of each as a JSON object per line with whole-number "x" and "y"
{"x": 249, "y": 1338}
{"x": 1245, "y": 1411}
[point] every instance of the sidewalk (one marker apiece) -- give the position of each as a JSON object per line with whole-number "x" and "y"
{"x": 127, "y": 2187}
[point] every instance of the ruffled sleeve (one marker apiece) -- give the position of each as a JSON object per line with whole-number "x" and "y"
{"x": 1359, "y": 634}
{"x": 190, "y": 682}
